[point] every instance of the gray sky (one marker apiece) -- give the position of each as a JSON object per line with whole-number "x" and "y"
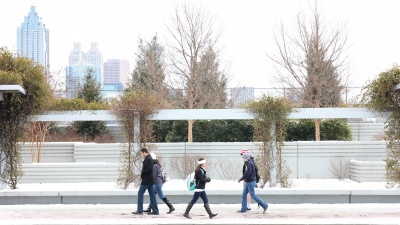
{"x": 373, "y": 29}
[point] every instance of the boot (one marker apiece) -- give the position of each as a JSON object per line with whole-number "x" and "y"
{"x": 148, "y": 209}
{"x": 210, "y": 214}
{"x": 188, "y": 208}
{"x": 171, "y": 208}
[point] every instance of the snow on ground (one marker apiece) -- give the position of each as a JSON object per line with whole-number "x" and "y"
{"x": 176, "y": 184}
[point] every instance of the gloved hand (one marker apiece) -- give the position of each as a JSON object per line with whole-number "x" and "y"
{"x": 208, "y": 179}
{"x": 239, "y": 181}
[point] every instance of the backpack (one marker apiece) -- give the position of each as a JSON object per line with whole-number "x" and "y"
{"x": 190, "y": 181}
{"x": 257, "y": 175}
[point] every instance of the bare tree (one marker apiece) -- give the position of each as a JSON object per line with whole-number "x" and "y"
{"x": 228, "y": 169}
{"x": 310, "y": 62}
{"x": 194, "y": 61}
{"x": 186, "y": 165}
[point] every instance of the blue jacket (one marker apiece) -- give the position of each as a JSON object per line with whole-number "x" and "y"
{"x": 250, "y": 172}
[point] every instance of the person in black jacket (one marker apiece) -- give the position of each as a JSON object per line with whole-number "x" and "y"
{"x": 147, "y": 184}
{"x": 250, "y": 178}
{"x": 201, "y": 179}
{"x": 244, "y": 151}
{"x": 158, "y": 184}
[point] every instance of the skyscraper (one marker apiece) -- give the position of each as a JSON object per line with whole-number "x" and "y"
{"x": 33, "y": 39}
{"x": 79, "y": 63}
{"x": 116, "y": 75}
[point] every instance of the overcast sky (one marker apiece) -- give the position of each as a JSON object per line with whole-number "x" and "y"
{"x": 373, "y": 28}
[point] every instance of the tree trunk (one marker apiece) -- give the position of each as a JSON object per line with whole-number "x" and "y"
{"x": 190, "y": 130}
{"x": 317, "y": 129}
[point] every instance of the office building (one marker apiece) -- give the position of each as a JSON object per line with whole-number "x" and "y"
{"x": 33, "y": 39}
{"x": 79, "y": 63}
{"x": 116, "y": 75}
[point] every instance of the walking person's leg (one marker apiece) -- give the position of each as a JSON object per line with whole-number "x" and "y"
{"x": 251, "y": 188}
{"x": 244, "y": 199}
{"x": 149, "y": 206}
{"x": 141, "y": 191}
{"x": 162, "y": 197}
{"x": 248, "y": 198}
{"x": 190, "y": 205}
{"x": 248, "y": 201}
{"x": 153, "y": 200}
{"x": 203, "y": 196}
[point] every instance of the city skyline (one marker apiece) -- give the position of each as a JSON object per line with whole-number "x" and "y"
{"x": 33, "y": 39}
{"x": 245, "y": 41}
{"x": 80, "y": 62}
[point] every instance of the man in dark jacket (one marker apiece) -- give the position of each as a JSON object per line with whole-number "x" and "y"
{"x": 147, "y": 183}
{"x": 250, "y": 178}
{"x": 244, "y": 151}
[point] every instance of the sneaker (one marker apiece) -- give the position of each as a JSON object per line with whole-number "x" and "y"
{"x": 137, "y": 213}
{"x": 153, "y": 213}
{"x": 248, "y": 208}
{"x": 265, "y": 209}
{"x": 240, "y": 211}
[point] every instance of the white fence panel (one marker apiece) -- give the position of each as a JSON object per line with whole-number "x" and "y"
{"x": 52, "y": 152}
{"x": 305, "y": 159}
{"x": 367, "y": 131}
{"x": 69, "y": 172}
{"x": 367, "y": 171}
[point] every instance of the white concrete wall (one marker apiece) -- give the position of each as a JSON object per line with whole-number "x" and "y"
{"x": 305, "y": 159}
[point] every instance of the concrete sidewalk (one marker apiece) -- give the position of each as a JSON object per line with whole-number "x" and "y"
{"x": 276, "y": 214}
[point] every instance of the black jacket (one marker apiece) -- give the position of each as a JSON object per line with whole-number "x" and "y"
{"x": 201, "y": 179}
{"x": 147, "y": 171}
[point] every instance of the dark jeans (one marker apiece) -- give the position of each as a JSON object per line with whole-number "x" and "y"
{"x": 201, "y": 194}
{"x": 153, "y": 201}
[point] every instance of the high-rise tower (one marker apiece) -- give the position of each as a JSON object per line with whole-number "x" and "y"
{"x": 79, "y": 63}
{"x": 33, "y": 39}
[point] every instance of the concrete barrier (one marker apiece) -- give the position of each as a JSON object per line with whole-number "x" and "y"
{"x": 284, "y": 196}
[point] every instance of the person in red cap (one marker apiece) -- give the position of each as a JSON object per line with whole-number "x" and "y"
{"x": 246, "y": 151}
{"x": 250, "y": 178}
